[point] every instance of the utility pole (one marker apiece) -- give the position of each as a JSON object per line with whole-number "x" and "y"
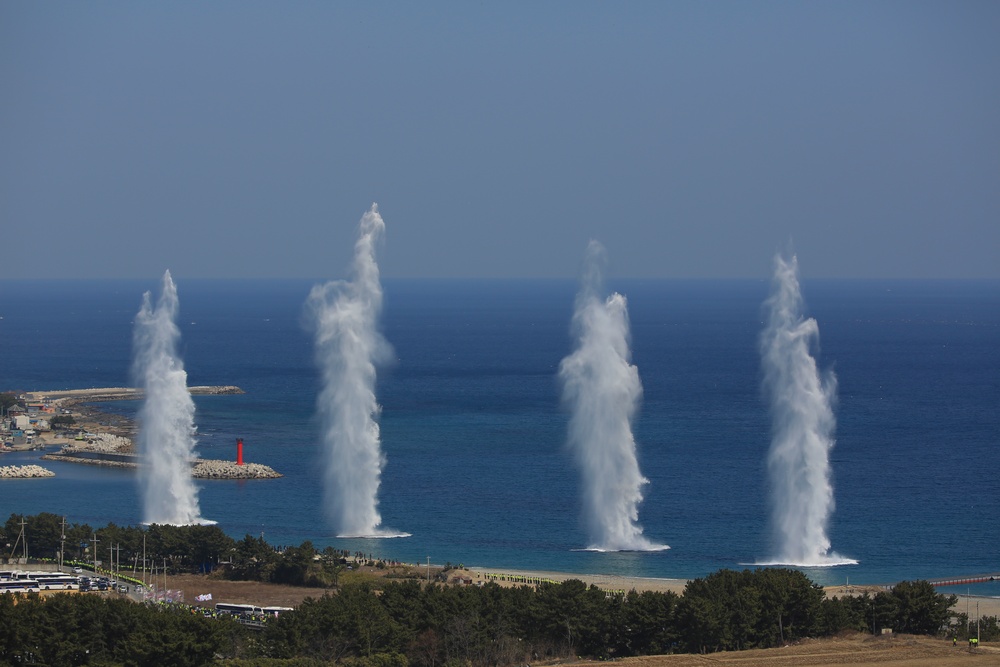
{"x": 93, "y": 543}
{"x": 62, "y": 543}
{"x": 428, "y": 569}
{"x": 145, "y": 582}
{"x": 22, "y": 540}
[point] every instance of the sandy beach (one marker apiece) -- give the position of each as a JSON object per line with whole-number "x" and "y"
{"x": 988, "y": 606}
{"x": 603, "y": 581}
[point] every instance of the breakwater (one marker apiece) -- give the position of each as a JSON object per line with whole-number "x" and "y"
{"x": 67, "y": 397}
{"x": 200, "y": 468}
{"x": 216, "y": 469}
{"x": 25, "y": 472}
{"x": 116, "y": 449}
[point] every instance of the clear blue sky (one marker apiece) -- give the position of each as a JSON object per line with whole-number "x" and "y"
{"x": 692, "y": 139}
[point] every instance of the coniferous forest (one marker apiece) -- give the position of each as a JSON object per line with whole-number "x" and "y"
{"x": 400, "y": 623}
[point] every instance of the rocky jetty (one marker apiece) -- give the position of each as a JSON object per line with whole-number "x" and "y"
{"x": 69, "y": 457}
{"x": 103, "y": 444}
{"x": 215, "y": 469}
{"x": 108, "y": 443}
{"x": 24, "y": 472}
{"x": 65, "y": 398}
{"x": 200, "y": 468}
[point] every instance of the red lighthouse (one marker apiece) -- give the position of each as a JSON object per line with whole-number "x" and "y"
{"x": 239, "y": 451}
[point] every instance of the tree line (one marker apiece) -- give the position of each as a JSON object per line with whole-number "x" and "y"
{"x": 490, "y": 625}
{"x": 392, "y": 623}
{"x": 86, "y": 629}
{"x": 410, "y": 623}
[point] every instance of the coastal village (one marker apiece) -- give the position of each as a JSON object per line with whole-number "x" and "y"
{"x": 67, "y": 420}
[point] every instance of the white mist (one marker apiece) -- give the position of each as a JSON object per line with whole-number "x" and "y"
{"x": 166, "y": 419}
{"x": 602, "y": 391}
{"x": 348, "y": 347}
{"x": 802, "y": 427}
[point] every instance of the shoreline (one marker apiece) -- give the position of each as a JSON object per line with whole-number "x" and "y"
{"x": 95, "y": 420}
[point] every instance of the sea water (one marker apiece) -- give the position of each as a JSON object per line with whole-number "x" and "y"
{"x": 474, "y": 432}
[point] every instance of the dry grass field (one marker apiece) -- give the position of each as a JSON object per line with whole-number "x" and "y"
{"x": 888, "y": 651}
{"x": 241, "y": 592}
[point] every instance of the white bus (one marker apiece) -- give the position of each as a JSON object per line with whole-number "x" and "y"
{"x": 238, "y": 609}
{"x": 18, "y": 586}
{"x": 56, "y": 582}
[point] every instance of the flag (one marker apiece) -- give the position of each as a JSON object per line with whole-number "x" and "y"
{"x": 203, "y": 598}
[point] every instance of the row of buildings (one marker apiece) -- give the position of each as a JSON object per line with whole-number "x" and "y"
{"x": 21, "y": 422}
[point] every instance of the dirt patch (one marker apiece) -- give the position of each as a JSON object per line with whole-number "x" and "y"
{"x": 241, "y": 592}
{"x": 278, "y": 595}
{"x": 895, "y": 651}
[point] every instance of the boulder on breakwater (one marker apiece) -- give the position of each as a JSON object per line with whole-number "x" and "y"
{"x": 215, "y": 390}
{"x": 25, "y": 472}
{"x": 216, "y": 469}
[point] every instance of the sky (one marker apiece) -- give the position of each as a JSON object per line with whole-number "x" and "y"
{"x": 693, "y": 139}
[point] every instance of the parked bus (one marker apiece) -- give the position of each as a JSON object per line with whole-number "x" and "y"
{"x": 238, "y": 609}
{"x": 58, "y": 582}
{"x": 18, "y": 586}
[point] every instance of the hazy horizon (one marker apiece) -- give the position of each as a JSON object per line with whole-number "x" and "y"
{"x": 693, "y": 140}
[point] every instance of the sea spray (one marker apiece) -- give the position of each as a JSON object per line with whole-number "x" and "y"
{"x": 348, "y": 347}
{"x": 602, "y": 391}
{"x": 166, "y": 437}
{"x": 802, "y": 427}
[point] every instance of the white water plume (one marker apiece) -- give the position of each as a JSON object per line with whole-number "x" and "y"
{"x": 602, "y": 390}
{"x": 802, "y": 427}
{"x": 348, "y": 347}
{"x": 166, "y": 419}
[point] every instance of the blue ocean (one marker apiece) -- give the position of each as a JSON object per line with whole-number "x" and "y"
{"x": 474, "y": 432}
